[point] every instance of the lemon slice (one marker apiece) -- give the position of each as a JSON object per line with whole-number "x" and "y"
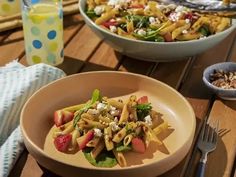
{"x": 40, "y": 12}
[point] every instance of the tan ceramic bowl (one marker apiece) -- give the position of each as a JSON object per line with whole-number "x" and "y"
{"x": 37, "y": 119}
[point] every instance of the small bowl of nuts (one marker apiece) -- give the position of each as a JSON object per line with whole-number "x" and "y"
{"x": 221, "y": 79}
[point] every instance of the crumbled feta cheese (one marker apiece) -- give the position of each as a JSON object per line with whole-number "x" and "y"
{"x": 112, "y": 108}
{"x": 152, "y": 20}
{"x": 117, "y": 2}
{"x": 114, "y": 126}
{"x": 187, "y": 21}
{"x": 175, "y": 16}
{"x": 141, "y": 32}
{"x": 114, "y": 112}
{"x": 180, "y": 9}
{"x": 99, "y": 9}
{"x": 116, "y": 120}
{"x": 202, "y": 37}
{"x": 148, "y": 120}
{"x": 117, "y": 6}
{"x": 97, "y": 132}
{"x": 171, "y": 6}
{"x": 93, "y": 111}
{"x": 184, "y": 31}
{"x": 113, "y": 29}
{"x": 101, "y": 106}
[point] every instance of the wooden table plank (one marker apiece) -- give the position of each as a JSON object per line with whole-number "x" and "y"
{"x": 225, "y": 153}
{"x": 136, "y": 66}
{"x": 232, "y": 55}
{"x": 106, "y": 56}
{"x": 171, "y": 73}
{"x": 12, "y": 47}
{"x": 83, "y": 44}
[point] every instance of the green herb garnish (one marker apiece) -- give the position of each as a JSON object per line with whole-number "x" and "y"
{"x": 138, "y": 20}
{"x": 91, "y": 14}
{"x": 143, "y": 110}
{"x": 95, "y": 97}
{"x": 204, "y": 30}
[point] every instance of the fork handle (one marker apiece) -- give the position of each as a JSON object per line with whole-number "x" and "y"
{"x": 201, "y": 169}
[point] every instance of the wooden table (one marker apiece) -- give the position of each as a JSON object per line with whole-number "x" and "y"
{"x": 84, "y": 51}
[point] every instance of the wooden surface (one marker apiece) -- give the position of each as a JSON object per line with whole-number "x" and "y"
{"x": 84, "y": 51}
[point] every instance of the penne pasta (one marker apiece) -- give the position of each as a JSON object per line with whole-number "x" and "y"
{"x": 149, "y": 136}
{"x": 225, "y": 22}
{"x": 127, "y": 140}
{"x": 115, "y": 103}
{"x": 188, "y": 36}
{"x": 161, "y": 127}
{"x": 179, "y": 30}
{"x": 106, "y": 16}
{"x": 108, "y": 126}
{"x": 75, "y": 135}
{"x": 96, "y": 150}
{"x": 118, "y": 137}
{"x": 124, "y": 114}
{"x": 87, "y": 116}
{"x": 120, "y": 158}
{"x": 94, "y": 142}
{"x": 74, "y": 108}
{"x": 86, "y": 123}
{"x": 108, "y": 138}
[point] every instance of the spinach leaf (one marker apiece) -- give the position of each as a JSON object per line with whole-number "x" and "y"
{"x": 95, "y": 97}
{"x": 138, "y": 20}
{"x": 143, "y": 110}
{"x": 91, "y": 14}
{"x": 151, "y": 35}
{"x": 104, "y": 159}
{"x": 204, "y": 30}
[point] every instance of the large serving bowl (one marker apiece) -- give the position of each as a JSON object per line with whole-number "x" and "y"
{"x": 37, "y": 119}
{"x": 155, "y": 51}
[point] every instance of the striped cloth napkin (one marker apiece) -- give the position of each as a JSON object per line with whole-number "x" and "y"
{"x": 18, "y": 83}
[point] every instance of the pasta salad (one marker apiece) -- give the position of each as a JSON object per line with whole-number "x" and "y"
{"x": 150, "y": 21}
{"x": 105, "y": 129}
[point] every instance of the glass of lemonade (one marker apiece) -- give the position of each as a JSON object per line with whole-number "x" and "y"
{"x": 43, "y": 31}
{"x": 9, "y": 7}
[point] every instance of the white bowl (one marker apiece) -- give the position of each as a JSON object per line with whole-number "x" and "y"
{"x": 37, "y": 120}
{"x": 154, "y": 51}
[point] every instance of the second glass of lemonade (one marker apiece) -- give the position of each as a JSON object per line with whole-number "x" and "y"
{"x": 9, "y": 7}
{"x": 43, "y": 31}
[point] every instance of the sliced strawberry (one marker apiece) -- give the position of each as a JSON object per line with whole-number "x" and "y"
{"x": 61, "y": 117}
{"x": 62, "y": 142}
{"x": 168, "y": 37}
{"x": 138, "y": 145}
{"x": 82, "y": 141}
{"x": 107, "y": 24}
{"x": 143, "y": 100}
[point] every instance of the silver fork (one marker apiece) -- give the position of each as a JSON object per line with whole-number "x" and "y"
{"x": 206, "y": 143}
